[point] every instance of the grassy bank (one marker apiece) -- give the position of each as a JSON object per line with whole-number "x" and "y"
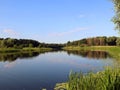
{"x": 5, "y": 50}
{"x": 114, "y": 51}
{"x": 104, "y": 80}
{"x": 90, "y": 47}
{"x": 37, "y": 49}
{"x": 8, "y": 50}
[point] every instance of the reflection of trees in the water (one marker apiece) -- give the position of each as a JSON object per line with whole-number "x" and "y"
{"x": 21, "y": 55}
{"x": 91, "y": 54}
{"x": 14, "y": 56}
{"x": 26, "y": 54}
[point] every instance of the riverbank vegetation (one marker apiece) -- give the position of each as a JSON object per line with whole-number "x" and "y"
{"x": 9, "y": 44}
{"x": 19, "y": 45}
{"x": 96, "y": 41}
{"x": 109, "y": 44}
{"x": 27, "y": 49}
{"x": 16, "y": 44}
{"x": 108, "y": 79}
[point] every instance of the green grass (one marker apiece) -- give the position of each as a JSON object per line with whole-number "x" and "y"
{"x": 90, "y": 47}
{"x": 5, "y": 50}
{"x": 8, "y": 50}
{"x": 37, "y": 49}
{"x": 109, "y": 79}
{"x": 104, "y": 80}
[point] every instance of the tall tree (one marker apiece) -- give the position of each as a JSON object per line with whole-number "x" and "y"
{"x": 116, "y": 18}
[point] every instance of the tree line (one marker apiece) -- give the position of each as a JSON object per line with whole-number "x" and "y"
{"x": 21, "y": 43}
{"x": 96, "y": 41}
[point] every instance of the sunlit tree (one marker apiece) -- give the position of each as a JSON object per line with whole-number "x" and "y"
{"x": 116, "y": 18}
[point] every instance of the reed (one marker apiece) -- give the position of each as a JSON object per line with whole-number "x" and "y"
{"x": 105, "y": 80}
{"x": 109, "y": 79}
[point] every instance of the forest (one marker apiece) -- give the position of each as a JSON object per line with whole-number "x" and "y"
{"x": 22, "y": 43}
{"x": 93, "y": 41}
{"x": 96, "y": 41}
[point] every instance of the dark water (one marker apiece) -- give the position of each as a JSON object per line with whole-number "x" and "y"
{"x": 34, "y": 71}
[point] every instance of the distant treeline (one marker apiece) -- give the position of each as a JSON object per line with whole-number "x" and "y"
{"x": 21, "y": 43}
{"x": 96, "y": 41}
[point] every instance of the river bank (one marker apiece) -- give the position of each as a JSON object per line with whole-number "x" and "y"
{"x": 6, "y": 50}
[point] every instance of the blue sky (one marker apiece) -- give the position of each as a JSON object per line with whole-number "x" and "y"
{"x": 56, "y": 21}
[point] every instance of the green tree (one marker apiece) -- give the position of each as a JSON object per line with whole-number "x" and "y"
{"x": 40, "y": 45}
{"x": 118, "y": 41}
{"x": 30, "y": 45}
{"x": 111, "y": 40}
{"x": 83, "y": 41}
{"x": 3, "y": 44}
{"x": 9, "y": 42}
{"x": 15, "y": 46}
{"x": 68, "y": 43}
{"x": 116, "y": 18}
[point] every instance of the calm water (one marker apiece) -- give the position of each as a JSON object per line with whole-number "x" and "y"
{"x": 34, "y": 71}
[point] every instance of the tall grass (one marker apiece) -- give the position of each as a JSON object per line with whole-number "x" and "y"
{"x": 105, "y": 80}
{"x": 109, "y": 79}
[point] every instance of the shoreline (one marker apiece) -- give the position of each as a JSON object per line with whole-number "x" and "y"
{"x": 13, "y": 50}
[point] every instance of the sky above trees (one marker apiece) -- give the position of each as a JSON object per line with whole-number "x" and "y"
{"x": 56, "y": 21}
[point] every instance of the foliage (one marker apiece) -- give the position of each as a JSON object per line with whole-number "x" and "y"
{"x": 22, "y": 43}
{"x": 109, "y": 79}
{"x": 118, "y": 42}
{"x": 105, "y": 80}
{"x": 94, "y": 41}
{"x": 111, "y": 40}
{"x": 30, "y": 45}
{"x": 116, "y": 18}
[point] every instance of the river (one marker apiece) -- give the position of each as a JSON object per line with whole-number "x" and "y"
{"x": 34, "y": 71}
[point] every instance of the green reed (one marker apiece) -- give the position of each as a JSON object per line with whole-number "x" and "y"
{"x": 105, "y": 80}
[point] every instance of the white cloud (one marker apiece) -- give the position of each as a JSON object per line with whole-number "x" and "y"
{"x": 81, "y": 16}
{"x": 9, "y": 32}
{"x": 67, "y": 32}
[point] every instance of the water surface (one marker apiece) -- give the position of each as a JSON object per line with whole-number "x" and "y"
{"x": 34, "y": 71}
